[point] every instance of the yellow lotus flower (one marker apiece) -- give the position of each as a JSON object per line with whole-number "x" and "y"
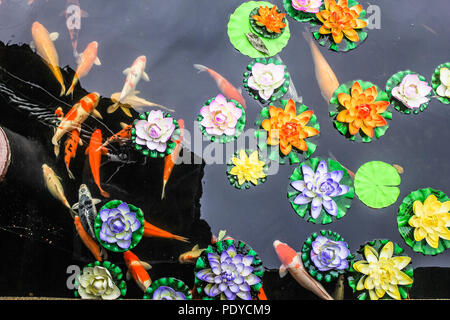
{"x": 382, "y": 273}
{"x": 431, "y": 220}
{"x": 248, "y": 168}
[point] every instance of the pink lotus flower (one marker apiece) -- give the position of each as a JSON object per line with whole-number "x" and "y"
{"x": 220, "y": 116}
{"x": 311, "y": 6}
{"x": 412, "y": 92}
{"x": 155, "y": 132}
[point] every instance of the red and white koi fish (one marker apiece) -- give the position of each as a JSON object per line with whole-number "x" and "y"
{"x": 85, "y": 62}
{"x": 224, "y": 85}
{"x": 137, "y": 270}
{"x": 291, "y": 262}
{"x": 43, "y": 42}
{"x": 94, "y": 152}
{"x": 134, "y": 74}
{"x": 75, "y": 117}
{"x": 70, "y": 150}
{"x": 73, "y": 14}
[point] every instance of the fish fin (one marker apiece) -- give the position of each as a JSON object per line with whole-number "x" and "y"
{"x": 97, "y": 62}
{"x": 80, "y": 142}
{"x": 221, "y": 235}
{"x": 75, "y": 206}
{"x": 134, "y": 93}
{"x": 196, "y": 247}
{"x": 96, "y": 201}
{"x": 71, "y": 176}
{"x": 146, "y": 265}
{"x": 123, "y": 125}
{"x": 56, "y": 150}
{"x": 78, "y": 56}
{"x": 200, "y": 67}
{"x": 54, "y": 36}
{"x": 104, "y": 193}
{"x": 283, "y": 271}
{"x": 103, "y": 254}
{"x": 112, "y": 108}
{"x": 97, "y": 114}
{"x": 126, "y": 71}
{"x": 145, "y": 76}
{"x": 128, "y": 275}
{"x": 239, "y": 90}
{"x": 86, "y": 152}
{"x": 32, "y": 45}
{"x": 126, "y": 111}
{"x": 104, "y": 150}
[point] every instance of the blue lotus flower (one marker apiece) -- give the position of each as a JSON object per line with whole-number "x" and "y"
{"x": 230, "y": 275}
{"x": 329, "y": 255}
{"x": 319, "y": 188}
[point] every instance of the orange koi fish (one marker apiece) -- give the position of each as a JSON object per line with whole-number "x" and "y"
{"x": 137, "y": 270}
{"x": 75, "y": 117}
{"x": 172, "y": 158}
{"x": 224, "y": 85}
{"x": 95, "y": 151}
{"x": 87, "y": 240}
{"x": 43, "y": 42}
{"x": 86, "y": 60}
{"x": 122, "y": 135}
{"x": 191, "y": 256}
{"x": 292, "y": 263}
{"x": 152, "y": 231}
{"x": 59, "y": 113}
{"x": 70, "y": 150}
{"x": 325, "y": 76}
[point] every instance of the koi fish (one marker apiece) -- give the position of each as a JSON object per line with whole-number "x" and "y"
{"x": 172, "y": 158}
{"x": 43, "y": 42}
{"x": 73, "y": 15}
{"x": 86, "y": 60}
{"x": 224, "y": 85}
{"x": 94, "y": 152}
{"x": 325, "y": 76}
{"x": 152, "y": 231}
{"x": 87, "y": 240}
{"x": 53, "y": 183}
{"x": 70, "y": 150}
{"x": 262, "y": 294}
{"x": 292, "y": 263}
{"x": 124, "y": 134}
{"x": 86, "y": 209}
{"x": 191, "y": 256}
{"x": 137, "y": 270}
{"x": 399, "y": 168}
{"x": 75, "y": 117}
{"x": 59, "y": 113}
{"x": 134, "y": 74}
{"x": 338, "y": 293}
{"x": 134, "y": 102}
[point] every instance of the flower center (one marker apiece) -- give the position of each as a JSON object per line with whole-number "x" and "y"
{"x": 117, "y": 225}
{"x": 327, "y": 254}
{"x": 154, "y": 131}
{"x": 363, "y": 110}
{"x": 219, "y": 118}
{"x": 228, "y": 276}
{"x": 289, "y": 129}
{"x": 326, "y": 187}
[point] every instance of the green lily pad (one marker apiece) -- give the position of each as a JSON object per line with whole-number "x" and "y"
{"x": 376, "y": 184}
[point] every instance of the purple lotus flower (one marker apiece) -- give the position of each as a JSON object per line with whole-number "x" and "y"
{"x": 319, "y": 188}
{"x": 118, "y": 225}
{"x": 329, "y": 255}
{"x": 167, "y": 293}
{"x": 230, "y": 275}
{"x": 155, "y": 131}
{"x": 311, "y": 6}
{"x": 220, "y": 116}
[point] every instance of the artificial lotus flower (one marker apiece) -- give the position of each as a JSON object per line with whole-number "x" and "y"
{"x": 230, "y": 275}
{"x": 248, "y": 168}
{"x": 311, "y": 6}
{"x": 382, "y": 273}
{"x": 319, "y": 188}
{"x": 155, "y": 131}
{"x": 167, "y": 293}
{"x": 444, "y": 88}
{"x": 220, "y": 116}
{"x": 361, "y": 110}
{"x": 328, "y": 255}
{"x": 97, "y": 283}
{"x": 339, "y": 20}
{"x": 412, "y": 91}
{"x": 270, "y": 18}
{"x": 431, "y": 220}
{"x": 288, "y": 129}
{"x": 266, "y": 78}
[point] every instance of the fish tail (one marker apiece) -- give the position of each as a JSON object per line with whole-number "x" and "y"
{"x": 104, "y": 193}
{"x": 112, "y": 108}
{"x": 72, "y": 86}
{"x": 163, "y": 193}
{"x": 71, "y": 176}
{"x": 307, "y": 35}
{"x": 200, "y": 67}
{"x": 63, "y": 89}
{"x": 153, "y": 231}
{"x": 56, "y": 149}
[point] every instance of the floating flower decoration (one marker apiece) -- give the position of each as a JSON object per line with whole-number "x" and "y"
{"x": 382, "y": 272}
{"x": 100, "y": 280}
{"x": 270, "y": 19}
{"x": 424, "y": 220}
{"x": 440, "y": 82}
{"x": 119, "y": 226}
{"x": 360, "y": 110}
{"x": 168, "y": 289}
{"x": 154, "y": 132}
{"x": 244, "y": 171}
{"x": 221, "y": 120}
{"x": 320, "y": 190}
{"x": 325, "y": 255}
{"x": 228, "y": 270}
{"x": 409, "y": 92}
{"x": 311, "y": 6}
{"x": 284, "y": 130}
{"x": 303, "y": 10}
{"x": 267, "y": 79}
{"x": 250, "y": 38}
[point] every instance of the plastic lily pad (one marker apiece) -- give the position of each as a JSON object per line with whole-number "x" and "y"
{"x": 298, "y": 14}
{"x": 376, "y": 184}
{"x": 239, "y": 25}
{"x": 436, "y": 82}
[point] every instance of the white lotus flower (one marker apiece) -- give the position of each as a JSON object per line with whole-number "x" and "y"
{"x": 412, "y": 91}
{"x": 266, "y": 78}
{"x": 444, "y": 89}
{"x": 97, "y": 283}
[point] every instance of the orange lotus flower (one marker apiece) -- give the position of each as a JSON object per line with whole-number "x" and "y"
{"x": 288, "y": 129}
{"x": 339, "y": 20}
{"x": 270, "y": 18}
{"x": 361, "y": 110}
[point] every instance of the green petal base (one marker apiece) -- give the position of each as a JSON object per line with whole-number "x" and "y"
{"x": 355, "y": 276}
{"x": 136, "y": 236}
{"x": 247, "y": 184}
{"x": 321, "y": 276}
{"x": 300, "y": 15}
{"x": 173, "y": 283}
{"x": 278, "y": 93}
{"x": 405, "y": 212}
{"x": 436, "y": 82}
{"x": 343, "y": 202}
{"x": 335, "y": 107}
{"x": 393, "y": 82}
{"x": 273, "y": 152}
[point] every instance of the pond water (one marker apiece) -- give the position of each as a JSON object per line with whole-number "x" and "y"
{"x": 174, "y": 35}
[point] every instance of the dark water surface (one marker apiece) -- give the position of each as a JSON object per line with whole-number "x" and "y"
{"x": 174, "y": 35}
